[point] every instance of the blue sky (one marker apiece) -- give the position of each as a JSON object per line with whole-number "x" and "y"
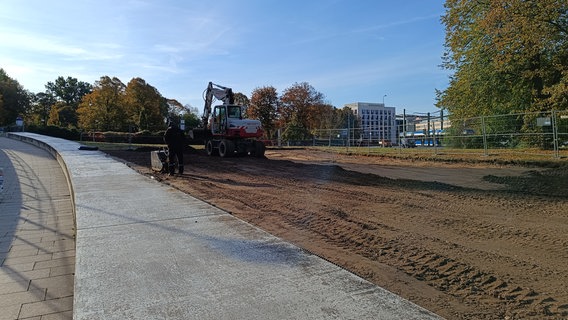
{"x": 349, "y": 50}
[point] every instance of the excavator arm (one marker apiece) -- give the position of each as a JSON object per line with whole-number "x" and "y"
{"x": 215, "y": 91}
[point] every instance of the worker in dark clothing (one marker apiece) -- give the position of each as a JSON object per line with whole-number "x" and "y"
{"x": 175, "y": 139}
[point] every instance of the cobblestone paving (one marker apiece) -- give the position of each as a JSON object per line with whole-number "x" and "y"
{"x": 37, "y": 244}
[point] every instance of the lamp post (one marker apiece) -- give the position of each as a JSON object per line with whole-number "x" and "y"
{"x": 383, "y": 129}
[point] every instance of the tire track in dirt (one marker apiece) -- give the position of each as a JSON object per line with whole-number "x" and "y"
{"x": 444, "y": 273}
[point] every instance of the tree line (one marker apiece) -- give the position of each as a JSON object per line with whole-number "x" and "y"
{"x": 106, "y": 105}
{"x": 111, "y": 105}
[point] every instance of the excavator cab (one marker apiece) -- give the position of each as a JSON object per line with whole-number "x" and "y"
{"x": 235, "y": 112}
{"x": 219, "y": 123}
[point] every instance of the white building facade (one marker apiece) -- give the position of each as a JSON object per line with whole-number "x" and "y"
{"x": 377, "y": 122}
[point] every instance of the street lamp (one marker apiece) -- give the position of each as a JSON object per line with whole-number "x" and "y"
{"x": 383, "y": 129}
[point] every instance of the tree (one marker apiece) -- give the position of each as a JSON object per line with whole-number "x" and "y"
{"x": 297, "y": 102}
{"x": 178, "y": 111}
{"x": 62, "y": 115}
{"x": 104, "y": 108}
{"x": 507, "y": 56}
{"x": 68, "y": 92}
{"x": 146, "y": 107}
{"x": 40, "y": 107}
{"x": 321, "y": 116}
{"x": 263, "y": 106}
{"x": 14, "y": 100}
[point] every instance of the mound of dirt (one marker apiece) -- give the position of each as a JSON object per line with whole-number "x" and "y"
{"x": 466, "y": 241}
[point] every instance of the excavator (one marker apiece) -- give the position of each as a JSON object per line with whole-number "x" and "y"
{"x": 226, "y": 133}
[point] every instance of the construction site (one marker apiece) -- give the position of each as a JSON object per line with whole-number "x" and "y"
{"x": 464, "y": 240}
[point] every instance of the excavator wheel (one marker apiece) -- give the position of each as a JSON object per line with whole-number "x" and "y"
{"x": 211, "y": 151}
{"x": 259, "y": 149}
{"x": 226, "y": 148}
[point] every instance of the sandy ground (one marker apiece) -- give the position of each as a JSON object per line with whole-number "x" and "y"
{"x": 466, "y": 241}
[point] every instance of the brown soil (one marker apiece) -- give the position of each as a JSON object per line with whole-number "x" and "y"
{"x": 466, "y": 241}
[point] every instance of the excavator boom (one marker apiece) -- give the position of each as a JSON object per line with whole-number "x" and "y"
{"x": 215, "y": 91}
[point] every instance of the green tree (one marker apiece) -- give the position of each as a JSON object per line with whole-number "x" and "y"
{"x": 40, "y": 107}
{"x": 68, "y": 92}
{"x": 14, "y": 100}
{"x": 178, "y": 111}
{"x": 263, "y": 106}
{"x": 506, "y": 55}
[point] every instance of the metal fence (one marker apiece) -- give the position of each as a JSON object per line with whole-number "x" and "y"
{"x": 539, "y": 133}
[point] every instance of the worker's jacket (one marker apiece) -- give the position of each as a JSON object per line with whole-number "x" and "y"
{"x": 174, "y": 137}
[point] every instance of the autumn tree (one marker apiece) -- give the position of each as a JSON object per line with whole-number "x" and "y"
{"x": 104, "y": 108}
{"x": 296, "y": 104}
{"x": 263, "y": 106}
{"x": 321, "y": 116}
{"x": 506, "y": 56}
{"x": 146, "y": 107}
{"x": 14, "y": 100}
{"x": 62, "y": 115}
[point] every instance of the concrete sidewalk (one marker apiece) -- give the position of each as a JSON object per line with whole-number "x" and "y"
{"x": 147, "y": 251}
{"x": 37, "y": 244}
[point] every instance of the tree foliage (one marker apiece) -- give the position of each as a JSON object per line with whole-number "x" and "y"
{"x": 40, "y": 108}
{"x": 297, "y": 103}
{"x": 263, "y": 106}
{"x": 14, "y": 100}
{"x": 103, "y": 108}
{"x": 68, "y": 93}
{"x": 145, "y": 106}
{"x": 507, "y": 56}
{"x": 69, "y": 90}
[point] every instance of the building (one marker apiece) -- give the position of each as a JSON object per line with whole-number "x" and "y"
{"x": 377, "y": 122}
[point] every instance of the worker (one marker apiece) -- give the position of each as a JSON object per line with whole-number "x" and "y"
{"x": 175, "y": 139}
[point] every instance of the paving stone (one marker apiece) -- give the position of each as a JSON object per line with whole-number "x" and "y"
{"x": 19, "y": 298}
{"x": 19, "y": 260}
{"x": 14, "y": 286}
{"x": 66, "y": 315}
{"x": 9, "y": 312}
{"x": 23, "y": 275}
{"x": 46, "y": 307}
{"x": 65, "y": 261}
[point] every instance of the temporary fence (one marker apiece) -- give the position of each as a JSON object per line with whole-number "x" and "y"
{"x": 539, "y": 133}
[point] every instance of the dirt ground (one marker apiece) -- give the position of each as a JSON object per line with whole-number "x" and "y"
{"x": 466, "y": 241}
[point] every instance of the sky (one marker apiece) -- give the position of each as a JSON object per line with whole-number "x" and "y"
{"x": 348, "y": 50}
